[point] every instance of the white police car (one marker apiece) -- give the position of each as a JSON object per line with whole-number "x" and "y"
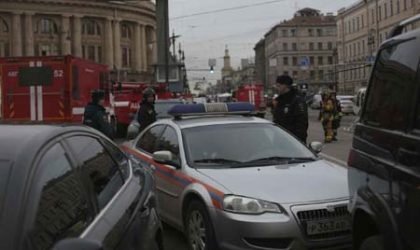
{"x": 230, "y": 180}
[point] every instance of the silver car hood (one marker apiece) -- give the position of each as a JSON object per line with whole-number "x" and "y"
{"x": 285, "y": 184}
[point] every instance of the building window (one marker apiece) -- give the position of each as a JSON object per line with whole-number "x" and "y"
{"x": 91, "y": 27}
{"x": 391, "y": 8}
{"x": 354, "y": 49}
{"x": 285, "y": 47}
{"x": 330, "y": 46}
{"x": 126, "y": 31}
{"x": 4, "y": 49}
{"x": 310, "y": 32}
{"x": 284, "y": 33}
{"x": 354, "y": 25}
{"x": 293, "y": 32}
{"x": 285, "y": 60}
{"x": 398, "y": 6}
{"x": 47, "y": 50}
{"x": 294, "y": 46}
{"x": 312, "y": 75}
{"x": 358, "y": 48}
{"x": 91, "y": 52}
{"x": 286, "y": 73}
{"x": 330, "y": 60}
{"x": 320, "y": 47}
{"x": 380, "y": 13}
{"x": 47, "y": 26}
{"x": 312, "y": 60}
{"x": 385, "y": 10}
{"x": 295, "y": 73}
{"x": 405, "y": 4}
{"x": 311, "y": 46}
{"x": 363, "y": 47}
{"x": 4, "y": 28}
{"x": 380, "y": 38}
{"x": 319, "y": 32}
{"x": 373, "y": 16}
{"x": 320, "y": 60}
{"x": 294, "y": 61}
{"x": 358, "y": 23}
{"x": 321, "y": 75}
{"x": 99, "y": 57}
{"x": 363, "y": 21}
{"x": 126, "y": 56}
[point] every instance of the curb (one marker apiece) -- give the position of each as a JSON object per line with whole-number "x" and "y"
{"x": 334, "y": 160}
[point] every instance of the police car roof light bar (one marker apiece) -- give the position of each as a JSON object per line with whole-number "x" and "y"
{"x": 211, "y": 109}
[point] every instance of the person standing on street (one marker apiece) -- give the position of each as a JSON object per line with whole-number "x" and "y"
{"x": 95, "y": 115}
{"x": 327, "y": 114}
{"x": 290, "y": 110}
{"x": 147, "y": 113}
{"x": 337, "y": 115}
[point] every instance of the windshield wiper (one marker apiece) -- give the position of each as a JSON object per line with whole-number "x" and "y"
{"x": 217, "y": 161}
{"x": 282, "y": 160}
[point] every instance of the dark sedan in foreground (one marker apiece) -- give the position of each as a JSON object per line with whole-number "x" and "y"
{"x": 68, "y": 187}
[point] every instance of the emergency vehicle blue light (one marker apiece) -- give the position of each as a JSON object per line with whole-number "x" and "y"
{"x": 212, "y": 108}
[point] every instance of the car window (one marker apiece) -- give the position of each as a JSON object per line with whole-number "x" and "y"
{"x": 120, "y": 158}
{"x": 169, "y": 142}
{"x": 4, "y": 177}
{"x": 147, "y": 141}
{"x": 393, "y": 80}
{"x": 63, "y": 209}
{"x": 102, "y": 172}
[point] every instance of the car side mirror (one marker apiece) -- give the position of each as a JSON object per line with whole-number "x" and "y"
{"x": 78, "y": 243}
{"x": 316, "y": 147}
{"x": 165, "y": 157}
{"x": 132, "y": 131}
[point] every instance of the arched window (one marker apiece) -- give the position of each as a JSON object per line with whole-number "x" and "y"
{"x": 91, "y": 27}
{"x": 47, "y": 26}
{"x": 126, "y": 31}
{"x": 4, "y": 28}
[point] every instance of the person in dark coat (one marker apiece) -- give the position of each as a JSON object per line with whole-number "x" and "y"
{"x": 147, "y": 113}
{"x": 95, "y": 115}
{"x": 289, "y": 109}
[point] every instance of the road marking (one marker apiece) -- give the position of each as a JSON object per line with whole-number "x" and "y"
{"x": 334, "y": 160}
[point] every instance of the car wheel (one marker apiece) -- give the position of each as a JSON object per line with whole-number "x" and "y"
{"x": 199, "y": 229}
{"x": 373, "y": 243}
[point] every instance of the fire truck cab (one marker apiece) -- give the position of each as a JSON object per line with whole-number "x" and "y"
{"x": 252, "y": 93}
{"x": 49, "y": 88}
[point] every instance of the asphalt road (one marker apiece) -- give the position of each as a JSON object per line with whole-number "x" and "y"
{"x": 336, "y": 152}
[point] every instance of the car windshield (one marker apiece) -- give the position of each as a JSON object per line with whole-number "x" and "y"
{"x": 162, "y": 108}
{"x": 242, "y": 145}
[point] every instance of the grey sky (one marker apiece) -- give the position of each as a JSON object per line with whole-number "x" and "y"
{"x": 205, "y": 36}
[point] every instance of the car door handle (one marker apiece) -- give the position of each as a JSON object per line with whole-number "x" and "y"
{"x": 153, "y": 167}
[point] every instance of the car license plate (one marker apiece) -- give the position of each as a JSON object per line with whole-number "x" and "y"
{"x": 327, "y": 226}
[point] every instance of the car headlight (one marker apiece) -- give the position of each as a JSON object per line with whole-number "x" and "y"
{"x": 243, "y": 205}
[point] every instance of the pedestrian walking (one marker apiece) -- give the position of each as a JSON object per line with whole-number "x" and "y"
{"x": 147, "y": 113}
{"x": 95, "y": 115}
{"x": 289, "y": 109}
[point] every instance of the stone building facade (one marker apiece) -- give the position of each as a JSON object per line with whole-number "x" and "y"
{"x": 302, "y": 47}
{"x": 120, "y": 35}
{"x": 362, "y": 27}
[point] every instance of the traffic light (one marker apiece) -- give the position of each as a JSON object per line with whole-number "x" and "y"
{"x": 211, "y": 69}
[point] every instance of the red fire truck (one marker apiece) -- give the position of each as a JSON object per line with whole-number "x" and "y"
{"x": 127, "y": 97}
{"x": 49, "y": 88}
{"x": 252, "y": 93}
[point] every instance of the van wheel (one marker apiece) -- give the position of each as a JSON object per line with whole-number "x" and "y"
{"x": 199, "y": 229}
{"x": 373, "y": 243}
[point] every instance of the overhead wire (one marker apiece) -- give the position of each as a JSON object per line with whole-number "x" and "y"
{"x": 225, "y": 9}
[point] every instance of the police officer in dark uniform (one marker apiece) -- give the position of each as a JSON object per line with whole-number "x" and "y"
{"x": 289, "y": 109}
{"x": 147, "y": 113}
{"x": 95, "y": 114}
